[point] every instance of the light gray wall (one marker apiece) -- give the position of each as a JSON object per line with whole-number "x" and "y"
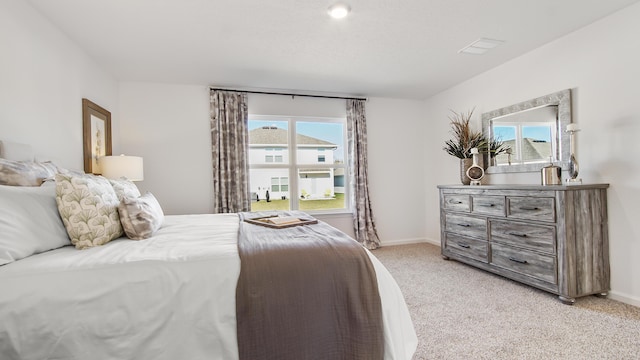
{"x": 43, "y": 78}
{"x": 168, "y": 125}
{"x": 600, "y": 63}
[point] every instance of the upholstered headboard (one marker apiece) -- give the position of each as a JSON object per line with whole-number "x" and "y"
{"x": 16, "y": 151}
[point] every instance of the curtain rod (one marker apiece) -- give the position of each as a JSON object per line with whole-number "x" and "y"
{"x": 291, "y": 94}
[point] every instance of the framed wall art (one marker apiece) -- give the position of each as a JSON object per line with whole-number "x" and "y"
{"x": 96, "y": 129}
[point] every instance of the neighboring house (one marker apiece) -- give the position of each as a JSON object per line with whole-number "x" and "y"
{"x": 269, "y": 145}
{"x": 533, "y": 151}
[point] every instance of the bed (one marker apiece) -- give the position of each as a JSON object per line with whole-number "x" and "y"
{"x": 172, "y": 295}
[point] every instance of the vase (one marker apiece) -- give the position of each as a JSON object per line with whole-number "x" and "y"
{"x": 465, "y": 164}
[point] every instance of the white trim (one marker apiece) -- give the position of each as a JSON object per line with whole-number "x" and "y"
{"x": 407, "y": 241}
{"x": 330, "y": 213}
{"x": 625, "y": 298}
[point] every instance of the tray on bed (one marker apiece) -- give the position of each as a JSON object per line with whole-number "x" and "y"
{"x": 281, "y": 222}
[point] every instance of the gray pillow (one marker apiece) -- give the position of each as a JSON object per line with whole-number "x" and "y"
{"x": 140, "y": 217}
{"x": 29, "y": 222}
{"x": 18, "y": 173}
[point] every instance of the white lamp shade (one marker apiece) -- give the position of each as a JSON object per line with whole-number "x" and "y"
{"x": 116, "y": 167}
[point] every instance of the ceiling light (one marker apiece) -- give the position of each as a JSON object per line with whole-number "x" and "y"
{"x": 339, "y": 10}
{"x": 480, "y": 46}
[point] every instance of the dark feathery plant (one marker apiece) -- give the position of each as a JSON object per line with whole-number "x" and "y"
{"x": 496, "y": 146}
{"x": 464, "y": 137}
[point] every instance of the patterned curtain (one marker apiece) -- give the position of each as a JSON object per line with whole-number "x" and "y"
{"x": 364, "y": 226}
{"x": 229, "y": 147}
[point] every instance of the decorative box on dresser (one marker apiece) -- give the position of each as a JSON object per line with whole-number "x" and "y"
{"x": 554, "y": 238}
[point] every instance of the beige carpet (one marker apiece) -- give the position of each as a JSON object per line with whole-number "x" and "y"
{"x": 460, "y": 312}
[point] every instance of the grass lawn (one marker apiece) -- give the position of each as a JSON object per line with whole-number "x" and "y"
{"x": 305, "y": 205}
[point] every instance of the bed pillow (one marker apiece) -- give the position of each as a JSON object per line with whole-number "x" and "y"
{"x": 141, "y": 216}
{"x": 18, "y": 173}
{"x": 88, "y": 206}
{"x": 29, "y": 222}
{"x": 125, "y": 188}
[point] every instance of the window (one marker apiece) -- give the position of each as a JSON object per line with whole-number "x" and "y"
{"x": 529, "y": 143}
{"x": 532, "y": 135}
{"x": 273, "y": 155}
{"x": 299, "y": 162}
{"x": 279, "y": 184}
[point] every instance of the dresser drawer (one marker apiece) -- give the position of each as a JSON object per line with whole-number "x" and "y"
{"x": 488, "y": 205}
{"x": 535, "y": 237}
{"x": 454, "y": 202}
{"x": 471, "y": 248}
{"x": 531, "y": 208}
{"x": 466, "y": 225}
{"x": 542, "y": 267}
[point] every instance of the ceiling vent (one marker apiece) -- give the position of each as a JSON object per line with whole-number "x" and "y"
{"x": 480, "y": 46}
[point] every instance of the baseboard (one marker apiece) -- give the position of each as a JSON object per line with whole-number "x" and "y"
{"x": 433, "y": 242}
{"x": 625, "y": 298}
{"x": 410, "y": 241}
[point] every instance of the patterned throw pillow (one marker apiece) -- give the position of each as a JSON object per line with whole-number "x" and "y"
{"x": 88, "y": 206}
{"x": 140, "y": 217}
{"x": 125, "y": 188}
{"x": 18, "y": 173}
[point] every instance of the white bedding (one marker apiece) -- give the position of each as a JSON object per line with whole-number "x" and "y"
{"x": 168, "y": 297}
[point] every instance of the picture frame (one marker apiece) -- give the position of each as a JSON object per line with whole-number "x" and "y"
{"x": 96, "y": 132}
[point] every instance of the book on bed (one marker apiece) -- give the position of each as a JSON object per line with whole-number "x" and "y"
{"x": 279, "y": 222}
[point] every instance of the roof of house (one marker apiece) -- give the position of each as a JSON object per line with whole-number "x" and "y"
{"x": 271, "y": 135}
{"x": 532, "y": 149}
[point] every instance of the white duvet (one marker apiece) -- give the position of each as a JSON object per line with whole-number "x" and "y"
{"x": 168, "y": 297}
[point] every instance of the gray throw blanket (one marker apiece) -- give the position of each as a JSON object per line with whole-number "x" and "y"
{"x": 306, "y": 292}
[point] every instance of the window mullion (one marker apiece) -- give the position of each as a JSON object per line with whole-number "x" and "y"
{"x": 293, "y": 168}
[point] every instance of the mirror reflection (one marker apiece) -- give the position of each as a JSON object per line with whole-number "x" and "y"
{"x": 533, "y": 131}
{"x": 528, "y": 135}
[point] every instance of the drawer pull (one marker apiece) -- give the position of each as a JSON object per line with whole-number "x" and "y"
{"x": 532, "y": 208}
{"x": 518, "y": 260}
{"x": 488, "y": 205}
{"x": 457, "y": 202}
{"x": 518, "y": 234}
{"x": 464, "y": 246}
{"x": 464, "y": 225}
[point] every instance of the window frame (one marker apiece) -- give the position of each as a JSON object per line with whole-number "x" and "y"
{"x": 294, "y": 168}
{"x": 517, "y": 160}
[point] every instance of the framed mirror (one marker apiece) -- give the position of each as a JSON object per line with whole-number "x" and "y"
{"x": 533, "y": 130}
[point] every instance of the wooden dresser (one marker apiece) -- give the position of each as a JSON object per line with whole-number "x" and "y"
{"x": 552, "y": 237}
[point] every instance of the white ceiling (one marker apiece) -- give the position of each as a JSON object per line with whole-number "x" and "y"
{"x": 386, "y": 48}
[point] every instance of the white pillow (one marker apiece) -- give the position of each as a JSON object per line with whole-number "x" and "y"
{"x": 124, "y": 188}
{"x": 140, "y": 217}
{"x": 88, "y": 206}
{"x": 29, "y": 222}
